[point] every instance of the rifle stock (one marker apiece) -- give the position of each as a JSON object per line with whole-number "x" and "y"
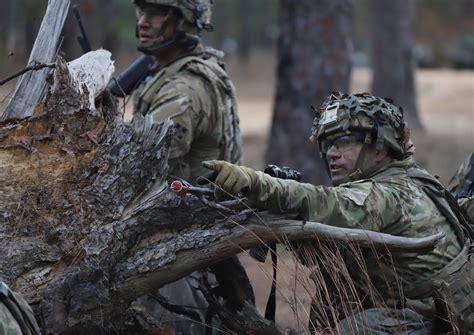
{"x": 124, "y": 84}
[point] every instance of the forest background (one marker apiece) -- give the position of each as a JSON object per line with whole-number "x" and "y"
{"x": 247, "y": 31}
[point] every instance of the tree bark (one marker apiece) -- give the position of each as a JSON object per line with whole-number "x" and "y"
{"x": 393, "y": 62}
{"x": 86, "y": 218}
{"x": 30, "y": 87}
{"x": 314, "y": 59}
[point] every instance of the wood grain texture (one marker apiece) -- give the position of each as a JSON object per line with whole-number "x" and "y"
{"x": 31, "y": 86}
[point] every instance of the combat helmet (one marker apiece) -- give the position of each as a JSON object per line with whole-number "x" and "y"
{"x": 195, "y": 17}
{"x": 371, "y": 118}
{"x": 378, "y": 118}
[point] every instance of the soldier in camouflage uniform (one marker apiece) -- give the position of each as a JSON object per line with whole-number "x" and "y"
{"x": 377, "y": 186}
{"x": 189, "y": 85}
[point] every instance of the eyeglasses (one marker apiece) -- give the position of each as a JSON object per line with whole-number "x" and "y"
{"x": 342, "y": 143}
{"x": 152, "y": 11}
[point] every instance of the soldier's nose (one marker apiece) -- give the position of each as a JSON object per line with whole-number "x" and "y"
{"x": 332, "y": 153}
{"x": 142, "y": 22}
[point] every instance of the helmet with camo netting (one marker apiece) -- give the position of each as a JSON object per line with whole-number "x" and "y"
{"x": 196, "y": 12}
{"x": 378, "y": 118}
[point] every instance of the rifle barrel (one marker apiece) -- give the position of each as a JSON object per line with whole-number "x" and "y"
{"x": 82, "y": 39}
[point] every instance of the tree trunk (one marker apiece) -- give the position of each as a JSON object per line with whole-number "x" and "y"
{"x": 110, "y": 38}
{"x": 314, "y": 59}
{"x": 392, "y": 54}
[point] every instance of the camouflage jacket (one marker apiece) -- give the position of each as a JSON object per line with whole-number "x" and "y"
{"x": 196, "y": 93}
{"x": 390, "y": 202}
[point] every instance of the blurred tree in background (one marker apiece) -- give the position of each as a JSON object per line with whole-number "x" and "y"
{"x": 392, "y": 57}
{"x": 444, "y": 30}
{"x": 314, "y": 59}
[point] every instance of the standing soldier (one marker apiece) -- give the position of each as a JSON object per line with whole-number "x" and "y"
{"x": 377, "y": 186}
{"x": 190, "y": 86}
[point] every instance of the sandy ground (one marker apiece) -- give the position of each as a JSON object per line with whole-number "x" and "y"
{"x": 446, "y": 107}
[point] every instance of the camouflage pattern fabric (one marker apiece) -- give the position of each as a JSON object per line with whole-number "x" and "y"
{"x": 457, "y": 182}
{"x": 390, "y": 202}
{"x": 16, "y": 315}
{"x": 377, "y": 321}
{"x": 188, "y": 8}
{"x": 467, "y": 204}
{"x": 8, "y": 324}
{"x": 462, "y": 187}
{"x": 197, "y": 95}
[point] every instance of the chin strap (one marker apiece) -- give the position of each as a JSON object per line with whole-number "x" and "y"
{"x": 359, "y": 172}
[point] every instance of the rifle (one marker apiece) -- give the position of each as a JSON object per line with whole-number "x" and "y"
{"x": 82, "y": 38}
{"x": 260, "y": 253}
{"x": 129, "y": 79}
{"x": 181, "y": 188}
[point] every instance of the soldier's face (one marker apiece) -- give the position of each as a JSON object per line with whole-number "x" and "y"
{"x": 154, "y": 22}
{"x": 342, "y": 153}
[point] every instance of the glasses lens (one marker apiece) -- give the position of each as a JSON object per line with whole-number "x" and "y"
{"x": 342, "y": 143}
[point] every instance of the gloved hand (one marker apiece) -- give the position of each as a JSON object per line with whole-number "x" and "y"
{"x": 231, "y": 178}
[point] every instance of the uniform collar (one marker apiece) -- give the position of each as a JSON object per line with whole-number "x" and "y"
{"x": 198, "y": 50}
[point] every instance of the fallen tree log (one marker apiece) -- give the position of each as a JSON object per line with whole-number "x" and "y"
{"x": 80, "y": 192}
{"x": 88, "y": 224}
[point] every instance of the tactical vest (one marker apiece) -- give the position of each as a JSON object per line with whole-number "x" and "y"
{"x": 452, "y": 287}
{"x": 19, "y": 309}
{"x": 207, "y": 67}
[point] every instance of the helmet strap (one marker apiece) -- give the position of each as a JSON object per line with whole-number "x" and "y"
{"x": 198, "y": 15}
{"x": 379, "y": 142}
{"x": 359, "y": 172}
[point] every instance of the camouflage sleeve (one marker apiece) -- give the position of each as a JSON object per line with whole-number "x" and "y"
{"x": 467, "y": 204}
{"x": 365, "y": 204}
{"x": 187, "y": 102}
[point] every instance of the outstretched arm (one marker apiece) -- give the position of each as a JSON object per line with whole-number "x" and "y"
{"x": 363, "y": 205}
